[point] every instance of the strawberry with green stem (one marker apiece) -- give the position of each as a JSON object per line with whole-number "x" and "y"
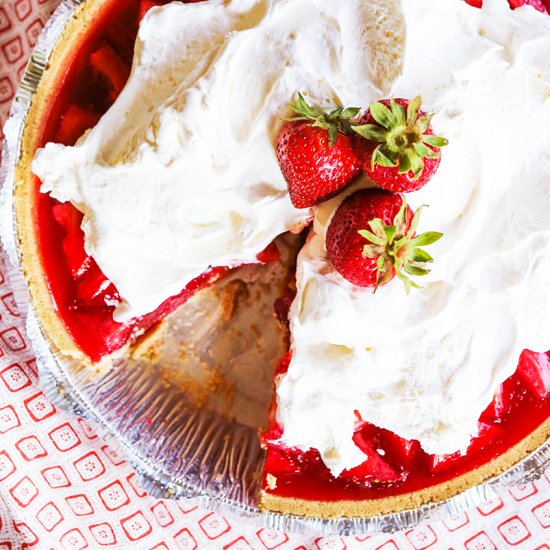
{"x": 316, "y": 154}
{"x": 372, "y": 238}
{"x": 396, "y": 145}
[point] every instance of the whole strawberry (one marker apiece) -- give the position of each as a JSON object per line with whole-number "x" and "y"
{"x": 396, "y": 146}
{"x": 371, "y": 238}
{"x": 316, "y": 153}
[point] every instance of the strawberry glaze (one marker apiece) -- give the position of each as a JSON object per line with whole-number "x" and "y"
{"x": 396, "y": 466}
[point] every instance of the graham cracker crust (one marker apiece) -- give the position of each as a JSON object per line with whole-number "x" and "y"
{"x": 76, "y": 30}
{"x": 409, "y": 501}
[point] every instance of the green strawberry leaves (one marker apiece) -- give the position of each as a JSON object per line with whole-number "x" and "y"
{"x": 401, "y": 135}
{"x": 384, "y": 116}
{"x": 435, "y": 141}
{"x": 413, "y": 109}
{"x": 404, "y": 140}
{"x": 397, "y": 248}
{"x": 334, "y": 122}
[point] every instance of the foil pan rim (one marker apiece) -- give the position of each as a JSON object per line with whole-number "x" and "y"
{"x": 58, "y": 387}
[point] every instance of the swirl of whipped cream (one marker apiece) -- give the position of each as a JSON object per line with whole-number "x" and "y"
{"x": 181, "y": 173}
{"x": 426, "y": 365}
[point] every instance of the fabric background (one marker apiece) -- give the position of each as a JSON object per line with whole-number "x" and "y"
{"x": 63, "y": 488}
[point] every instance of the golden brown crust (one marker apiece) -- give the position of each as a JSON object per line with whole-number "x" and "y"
{"x": 409, "y": 501}
{"x": 25, "y": 197}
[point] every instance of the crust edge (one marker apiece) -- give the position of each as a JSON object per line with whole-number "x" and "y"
{"x": 25, "y": 202}
{"x": 409, "y": 501}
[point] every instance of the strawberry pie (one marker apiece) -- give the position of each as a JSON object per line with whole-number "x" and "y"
{"x": 170, "y": 143}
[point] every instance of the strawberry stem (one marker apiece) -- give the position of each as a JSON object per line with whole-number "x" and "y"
{"x": 402, "y": 138}
{"x": 398, "y": 248}
{"x": 337, "y": 121}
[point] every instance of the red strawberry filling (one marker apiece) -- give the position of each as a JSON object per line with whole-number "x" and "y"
{"x": 110, "y": 67}
{"x": 534, "y": 368}
{"x": 74, "y": 122}
{"x": 395, "y": 466}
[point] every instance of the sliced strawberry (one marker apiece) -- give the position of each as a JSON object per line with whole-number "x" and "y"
{"x": 405, "y": 450}
{"x": 280, "y": 462}
{"x": 111, "y": 67}
{"x": 284, "y": 363}
{"x": 475, "y": 3}
{"x": 499, "y": 407}
{"x": 79, "y": 262}
{"x": 73, "y": 243}
{"x": 74, "y": 122}
{"x": 441, "y": 463}
{"x": 375, "y": 467}
{"x": 274, "y": 431}
{"x": 397, "y": 451}
{"x": 67, "y": 216}
{"x": 93, "y": 287}
{"x": 488, "y": 434}
{"x": 534, "y": 368}
{"x": 501, "y": 404}
{"x": 270, "y": 254}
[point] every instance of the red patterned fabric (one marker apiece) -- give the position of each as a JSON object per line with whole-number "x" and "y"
{"x": 20, "y": 24}
{"x": 63, "y": 488}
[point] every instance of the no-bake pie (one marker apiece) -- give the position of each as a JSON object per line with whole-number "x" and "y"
{"x": 153, "y": 166}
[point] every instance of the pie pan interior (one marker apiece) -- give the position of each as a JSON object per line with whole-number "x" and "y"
{"x": 180, "y": 446}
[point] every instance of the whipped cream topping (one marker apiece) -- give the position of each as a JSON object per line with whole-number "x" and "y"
{"x": 426, "y": 365}
{"x": 181, "y": 173}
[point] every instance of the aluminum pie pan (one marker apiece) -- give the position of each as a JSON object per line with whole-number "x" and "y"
{"x": 178, "y": 450}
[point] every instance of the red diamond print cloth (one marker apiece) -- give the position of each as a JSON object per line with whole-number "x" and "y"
{"x": 63, "y": 488}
